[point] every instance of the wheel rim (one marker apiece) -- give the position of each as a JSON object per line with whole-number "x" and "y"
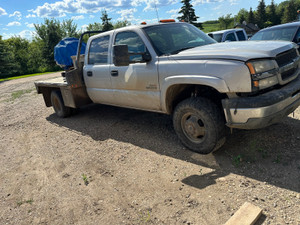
{"x": 193, "y": 127}
{"x": 56, "y": 105}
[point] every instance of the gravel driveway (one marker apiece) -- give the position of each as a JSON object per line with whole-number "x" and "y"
{"x": 109, "y": 165}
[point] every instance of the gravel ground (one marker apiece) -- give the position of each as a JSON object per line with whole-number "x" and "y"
{"x": 109, "y": 165}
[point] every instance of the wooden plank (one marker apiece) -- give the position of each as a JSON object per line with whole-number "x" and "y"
{"x": 246, "y": 215}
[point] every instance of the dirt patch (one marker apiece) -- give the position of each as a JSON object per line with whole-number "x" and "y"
{"x": 108, "y": 165}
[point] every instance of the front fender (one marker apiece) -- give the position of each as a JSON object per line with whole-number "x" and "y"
{"x": 210, "y": 81}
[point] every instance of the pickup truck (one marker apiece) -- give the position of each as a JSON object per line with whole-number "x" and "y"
{"x": 237, "y": 34}
{"x": 176, "y": 69}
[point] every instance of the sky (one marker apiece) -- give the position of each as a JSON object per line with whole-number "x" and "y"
{"x": 17, "y": 17}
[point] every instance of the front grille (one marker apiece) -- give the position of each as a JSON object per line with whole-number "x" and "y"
{"x": 287, "y": 74}
{"x": 286, "y": 57}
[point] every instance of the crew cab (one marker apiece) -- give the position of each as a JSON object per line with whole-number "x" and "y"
{"x": 237, "y": 34}
{"x": 176, "y": 69}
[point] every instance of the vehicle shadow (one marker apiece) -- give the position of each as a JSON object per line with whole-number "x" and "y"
{"x": 270, "y": 155}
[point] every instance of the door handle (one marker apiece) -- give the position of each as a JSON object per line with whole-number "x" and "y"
{"x": 89, "y": 73}
{"x": 114, "y": 73}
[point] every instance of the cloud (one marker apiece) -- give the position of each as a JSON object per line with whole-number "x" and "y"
{"x": 27, "y": 34}
{"x": 61, "y": 8}
{"x": 81, "y": 17}
{"x": 127, "y": 14}
{"x": 15, "y": 23}
{"x": 2, "y": 12}
{"x": 16, "y": 14}
{"x": 199, "y": 2}
{"x": 30, "y": 16}
{"x": 30, "y": 25}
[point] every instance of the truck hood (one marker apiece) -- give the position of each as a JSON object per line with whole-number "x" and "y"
{"x": 242, "y": 51}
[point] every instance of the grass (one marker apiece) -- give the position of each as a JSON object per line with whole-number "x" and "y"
{"x": 30, "y": 201}
{"x": 85, "y": 179}
{"x": 23, "y": 76}
{"x": 18, "y": 94}
{"x": 210, "y": 27}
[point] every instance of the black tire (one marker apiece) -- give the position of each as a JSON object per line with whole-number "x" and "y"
{"x": 58, "y": 105}
{"x": 199, "y": 124}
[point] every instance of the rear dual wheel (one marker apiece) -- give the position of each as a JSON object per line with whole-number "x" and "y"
{"x": 199, "y": 124}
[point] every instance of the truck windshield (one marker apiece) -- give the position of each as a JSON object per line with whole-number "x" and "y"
{"x": 172, "y": 38}
{"x": 283, "y": 34}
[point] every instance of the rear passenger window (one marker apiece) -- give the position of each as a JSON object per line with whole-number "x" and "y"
{"x": 230, "y": 37}
{"x": 241, "y": 35}
{"x": 98, "y": 52}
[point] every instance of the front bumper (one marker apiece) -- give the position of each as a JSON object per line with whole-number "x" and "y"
{"x": 263, "y": 110}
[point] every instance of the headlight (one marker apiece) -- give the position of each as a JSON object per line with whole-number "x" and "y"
{"x": 264, "y": 73}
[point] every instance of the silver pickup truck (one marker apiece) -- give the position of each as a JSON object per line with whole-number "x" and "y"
{"x": 176, "y": 69}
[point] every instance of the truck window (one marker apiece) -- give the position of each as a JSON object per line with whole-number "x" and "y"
{"x": 230, "y": 37}
{"x": 98, "y": 52}
{"x": 241, "y": 36}
{"x": 134, "y": 43}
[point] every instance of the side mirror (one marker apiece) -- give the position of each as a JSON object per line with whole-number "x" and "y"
{"x": 146, "y": 57}
{"x": 121, "y": 55}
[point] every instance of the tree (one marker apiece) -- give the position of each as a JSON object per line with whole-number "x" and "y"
{"x": 261, "y": 14}
{"x": 120, "y": 24}
{"x": 50, "y": 33}
{"x": 242, "y": 16}
{"x": 19, "y": 49}
{"x": 94, "y": 26}
{"x": 69, "y": 28}
{"x": 188, "y": 14}
{"x": 271, "y": 14}
{"x": 226, "y": 21}
{"x": 251, "y": 18}
{"x": 106, "y": 24}
{"x": 290, "y": 12}
{"x": 5, "y": 59}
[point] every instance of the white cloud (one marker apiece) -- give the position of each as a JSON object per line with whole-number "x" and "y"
{"x": 30, "y": 25}
{"x": 2, "y": 12}
{"x": 92, "y": 16}
{"x": 127, "y": 14}
{"x": 16, "y": 14}
{"x": 30, "y": 16}
{"x": 61, "y": 8}
{"x": 15, "y": 23}
{"x": 27, "y": 34}
{"x": 199, "y": 2}
{"x": 83, "y": 27}
{"x": 81, "y": 17}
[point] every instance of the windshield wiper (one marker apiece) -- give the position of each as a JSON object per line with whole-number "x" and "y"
{"x": 180, "y": 50}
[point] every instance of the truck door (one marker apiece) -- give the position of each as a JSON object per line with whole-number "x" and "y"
{"x": 96, "y": 70}
{"x": 135, "y": 85}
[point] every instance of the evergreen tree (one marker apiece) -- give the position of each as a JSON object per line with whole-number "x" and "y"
{"x": 261, "y": 14}
{"x": 106, "y": 24}
{"x": 290, "y": 12}
{"x": 271, "y": 14}
{"x": 188, "y": 14}
{"x": 251, "y": 18}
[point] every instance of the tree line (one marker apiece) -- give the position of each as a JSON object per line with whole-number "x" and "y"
{"x": 264, "y": 15}
{"x": 19, "y": 56}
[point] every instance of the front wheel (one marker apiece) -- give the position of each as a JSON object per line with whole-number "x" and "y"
{"x": 199, "y": 124}
{"x": 58, "y": 105}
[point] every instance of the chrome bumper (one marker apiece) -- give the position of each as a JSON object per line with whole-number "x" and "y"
{"x": 264, "y": 110}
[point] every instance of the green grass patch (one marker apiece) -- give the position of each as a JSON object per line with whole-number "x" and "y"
{"x": 18, "y": 94}
{"x": 23, "y": 76}
{"x": 30, "y": 201}
{"x": 210, "y": 27}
